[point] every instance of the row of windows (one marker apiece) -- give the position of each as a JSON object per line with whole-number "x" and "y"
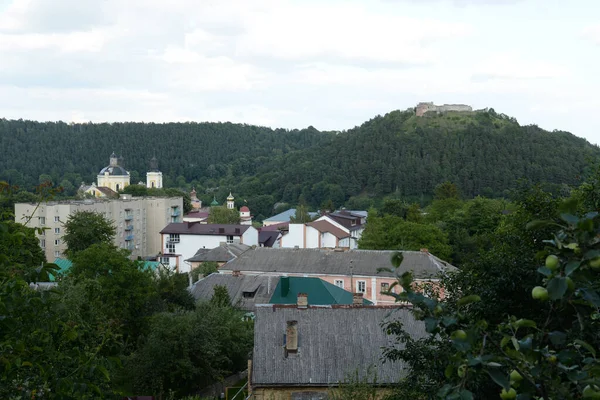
{"x": 361, "y": 286}
{"x": 43, "y": 243}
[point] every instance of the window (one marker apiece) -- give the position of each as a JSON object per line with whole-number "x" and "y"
{"x": 43, "y": 232}
{"x": 171, "y": 247}
{"x": 174, "y": 237}
{"x": 57, "y": 242}
{"x": 339, "y": 283}
{"x": 57, "y": 253}
{"x": 43, "y": 243}
{"x": 385, "y": 287}
{"x": 361, "y": 286}
{"x": 165, "y": 260}
{"x": 229, "y": 239}
{"x": 57, "y": 219}
{"x": 57, "y": 230}
{"x": 353, "y": 223}
{"x": 42, "y": 221}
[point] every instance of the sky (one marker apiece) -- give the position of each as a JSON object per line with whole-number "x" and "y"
{"x": 332, "y": 64}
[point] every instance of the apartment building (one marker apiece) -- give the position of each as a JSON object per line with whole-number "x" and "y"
{"x": 138, "y": 221}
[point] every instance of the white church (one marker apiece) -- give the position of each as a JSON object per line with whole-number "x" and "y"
{"x": 113, "y": 178}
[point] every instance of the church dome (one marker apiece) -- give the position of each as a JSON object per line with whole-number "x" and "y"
{"x": 114, "y": 170}
{"x": 230, "y": 197}
{"x": 244, "y": 209}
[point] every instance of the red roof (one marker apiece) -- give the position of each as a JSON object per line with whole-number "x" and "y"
{"x": 244, "y": 209}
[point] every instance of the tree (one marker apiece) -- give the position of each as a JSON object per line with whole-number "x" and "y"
{"x": 86, "y": 228}
{"x": 223, "y": 215}
{"x": 301, "y": 216}
{"x": 544, "y": 349}
{"x": 220, "y": 297}
{"x": 446, "y": 190}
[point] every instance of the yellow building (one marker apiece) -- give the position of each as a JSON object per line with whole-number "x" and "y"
{"x": 154, "y": 176}
{"x": 113, "y": 176}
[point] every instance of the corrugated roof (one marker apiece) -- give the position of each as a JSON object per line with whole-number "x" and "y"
{"x": 64, "y": 265}
{"x": 319, "y": 292}
{"x": 258, "y": 289}
{"x": 196, "y": 228}
{"x": 325, "y": 261}
{"x": 223, "y": 253}
{"x": 332, "y": 343}
{"x": 326, "y": 226}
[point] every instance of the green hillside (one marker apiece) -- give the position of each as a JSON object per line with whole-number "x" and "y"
{"x": 482, "y": 152}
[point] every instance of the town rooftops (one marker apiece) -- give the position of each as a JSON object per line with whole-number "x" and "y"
{"x": 268, "y": 238}
{"x": 108, "y": 192}
{"x": 244, "y": 290}
{"x": 318, "y": 292}
{"x": 223, "y": 253}
{"x": 334, "y": 262}
{"x": 280, "y": 226}
{"x": 326, "y": 226}
{"x": 333, "y": 342}
{"x": 286, "y": 215}
{"x": 196, "y": 228}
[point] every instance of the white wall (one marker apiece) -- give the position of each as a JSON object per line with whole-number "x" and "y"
{"x": 312, "y": 238}
{"x": 250, "y": 237}
{"x": 328, "y": 240}
{"x": 294, "y": 237}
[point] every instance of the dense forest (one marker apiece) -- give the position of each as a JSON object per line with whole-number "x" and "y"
{"x": 397, "y": 155}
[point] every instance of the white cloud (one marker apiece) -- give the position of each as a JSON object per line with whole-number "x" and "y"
{"x": 592, "y": 33}
{"x": 514, "y": 66}
{"x": 63, "y": 42}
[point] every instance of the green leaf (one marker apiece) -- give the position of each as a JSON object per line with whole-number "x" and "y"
{"x": 591, "y": 296}
{"x": 557, "y": 287}
{"x": 504, "y": 341}
{"x": 591, "y": 254}
{"x": 545, "y": 271}
{"x": 515, "y": 343}
{"x": 448, "y": 371}
{"x": 499, "y": 377}
{"x": 466, "y": 395}
{"x": 572, "y": 267}
{"x": 397, "y": 259}
{"x": 586, "y": 346}
{"x": 525, "y": 323}
{"x": 103, "y": 371}
{"x": 430, "y": 324}
{"x": 468, "y": 300}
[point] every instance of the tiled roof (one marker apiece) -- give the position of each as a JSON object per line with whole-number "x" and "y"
{"x": 108, "y": 192}
{"x": 196, "y": 228}
{"x": 333, "y": 342}
{"x": 318, "y": 291}
{"x": 324, "y": 261}
{"x": 326, "y": 226}
{"x": 258, "y": 289}
{"x": 223, "y": 253}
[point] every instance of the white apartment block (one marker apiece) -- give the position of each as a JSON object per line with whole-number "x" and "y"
{"x": 138, "y": 221}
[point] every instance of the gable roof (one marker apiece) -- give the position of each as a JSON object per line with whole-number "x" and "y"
{"x": 318, "y": 291}
{"x": 326, "y": 226}
{"x": 259, "y": 287}
{"x": 286, "y": 215}
{"x": 108, "y": 192}
{"x": 196, "y": 228}
{"x": 285, "y": 226}
{"x": 332, "y": 343}
{"x": 222, "y": 253}
{"x": 327, "y": 261}
{"x": 268, "y": 238}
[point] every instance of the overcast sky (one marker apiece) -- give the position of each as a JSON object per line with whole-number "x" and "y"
{"x": 293, "y": 63}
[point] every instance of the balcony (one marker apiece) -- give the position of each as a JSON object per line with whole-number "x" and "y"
{"x": 128, "y": 217}
{"x": 128, "y": 238}
{"x": 129, "y": 228}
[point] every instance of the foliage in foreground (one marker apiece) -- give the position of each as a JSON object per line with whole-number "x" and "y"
{"x": 546, "y": 356}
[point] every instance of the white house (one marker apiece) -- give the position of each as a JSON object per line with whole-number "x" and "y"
{"x": 180, "y": 241}
{"x": 323, "y": 233}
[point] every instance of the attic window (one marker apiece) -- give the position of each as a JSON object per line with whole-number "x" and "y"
{"x": 353, "y": 223}
{"x": 249, "y": 295}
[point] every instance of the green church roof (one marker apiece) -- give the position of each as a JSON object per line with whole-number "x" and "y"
{"x": 319, "y": 292}
{"x": 214, "y": 203}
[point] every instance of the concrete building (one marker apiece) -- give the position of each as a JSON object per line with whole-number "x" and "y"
{"x": 425, "y": 107}
{"x": 138, "y": 221}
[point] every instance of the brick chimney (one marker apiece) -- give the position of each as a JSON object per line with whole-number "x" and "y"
{"x": 236, "y": 272}
{"x": 357, "y": 299}
{"x": 302, "y": 300}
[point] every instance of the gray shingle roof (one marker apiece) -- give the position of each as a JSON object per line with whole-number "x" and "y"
{"x": 324, "y": 261}
{"x": 261, "y": 286}
{"x": 223, "y": 253}
{"x": 286, "y": 215}
{"x": 332, "y": 343}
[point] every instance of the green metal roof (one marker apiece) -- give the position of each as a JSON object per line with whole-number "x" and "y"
{"x": 152, "y": 265}
{"x": 64, "y": 265}
{"x": 214, "y": 202}
{"x": 319, "y": 292}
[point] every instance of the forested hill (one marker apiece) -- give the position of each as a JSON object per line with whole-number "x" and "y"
{"x": 399, "y": 153}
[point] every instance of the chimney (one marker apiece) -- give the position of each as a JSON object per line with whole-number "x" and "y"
{"x": 425, "y": 251}
{"x": 285, "y": 285}
{"x": 302, "y": 300}
{"x": 357, "y": 299}
{"x": 236, "y": 272}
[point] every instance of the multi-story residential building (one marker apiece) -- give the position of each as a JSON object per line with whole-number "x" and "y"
{"x": 138, "y": 221}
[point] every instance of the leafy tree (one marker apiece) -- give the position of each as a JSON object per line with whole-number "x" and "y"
{"x": 446, "y": 190}
{"x": 220, "y": 297}
{"x": 301, "y": 216}
{"x": 223, "y": 215}
{"x": 86, "y": 228}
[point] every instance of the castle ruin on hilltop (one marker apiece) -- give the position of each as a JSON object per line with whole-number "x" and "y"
{"x": 424, "y": 107}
